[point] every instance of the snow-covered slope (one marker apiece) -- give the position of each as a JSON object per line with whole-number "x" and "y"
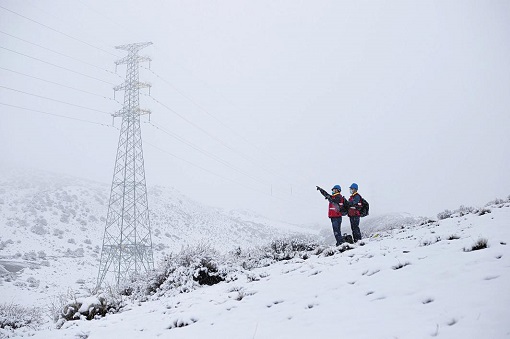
{"x": 51, "y": 226}
{"x": 421, "y": 281}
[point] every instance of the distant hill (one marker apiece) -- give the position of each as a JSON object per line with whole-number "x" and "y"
{"x": 49, "y": 221}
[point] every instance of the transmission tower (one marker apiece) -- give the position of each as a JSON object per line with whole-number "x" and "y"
{"x": 127, "y": 242}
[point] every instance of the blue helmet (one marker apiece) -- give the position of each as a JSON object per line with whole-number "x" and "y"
{"x": 337, "y": 187}
{"x": 354, "y": 185}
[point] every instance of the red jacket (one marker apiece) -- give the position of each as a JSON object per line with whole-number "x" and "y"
{"x": 354, "y": 205}
{"x": 334, "y": 208}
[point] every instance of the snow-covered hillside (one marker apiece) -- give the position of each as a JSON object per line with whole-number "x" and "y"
{"x": 52, "y": 226}
{"x": 420, "y": 281}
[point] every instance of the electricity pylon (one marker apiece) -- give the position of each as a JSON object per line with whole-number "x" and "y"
{"x": 127, "y": 242}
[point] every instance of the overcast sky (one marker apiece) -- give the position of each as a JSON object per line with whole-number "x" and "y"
{"x": 410, "y": 99}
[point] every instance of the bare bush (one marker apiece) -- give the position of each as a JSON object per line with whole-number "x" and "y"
{"x": 14, "y": 316}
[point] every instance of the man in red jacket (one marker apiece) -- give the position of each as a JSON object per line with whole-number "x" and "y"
{"x": 354, "y": 215}
{"x": 336, "y": 206}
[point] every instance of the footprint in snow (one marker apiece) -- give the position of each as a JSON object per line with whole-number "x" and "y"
{"x": 452, "y": 322}
{"x": 276, "y": 302}
{"x": 369, "y": 274}
{"x": 491, "y": 277}
{"x": 369, "y": 293}
{"x": 379, "y": 298}
{"x": 427, "y": 301}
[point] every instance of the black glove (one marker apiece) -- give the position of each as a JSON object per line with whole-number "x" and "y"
{"x": 318, "y": 188}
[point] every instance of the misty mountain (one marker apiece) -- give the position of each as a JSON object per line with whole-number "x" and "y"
{"x": 52, "y": 224}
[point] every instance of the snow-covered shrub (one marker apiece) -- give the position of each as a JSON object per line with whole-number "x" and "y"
{"x": 444, "y": 215}
{"x": 497, "y": 201}
{"x": 32, "y": 282}
{"x": 70, "y": 307}
{"x": 183, "y": 272}
{"x": 31, "y": 256}
{"x": 288, "y": 248}
{"x": 400, "y": 265}
{"x": 3, "y": 244}
{"x": 484, "y": 211}
{"x": 14, "y": 316}
{"x": 428, "y": 242}
{"x": 277, "y": 250}
{"x": 478, "y": 245}
{"x": 39, "y": 229}
{"x": 64, "y": 218}
{"x": 77, "y": 253}
{"x": 58, "y": 232}
{"x": 181, "y": 322}
{"x": 463, "y": 210}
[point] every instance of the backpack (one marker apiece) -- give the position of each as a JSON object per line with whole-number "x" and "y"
{"x": 363, "y": 212}
{"x": 345, "y": 209}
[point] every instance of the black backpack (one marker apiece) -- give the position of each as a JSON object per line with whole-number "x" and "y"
{"x": 363, "y": 211}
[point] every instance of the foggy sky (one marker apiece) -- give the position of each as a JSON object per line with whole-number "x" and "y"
{"x": 408, "y": 99}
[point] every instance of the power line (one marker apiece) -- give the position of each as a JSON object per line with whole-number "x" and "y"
{"x": 211, "y": 172}
{"x": 47, "y": 98}
{"x": 192, "y": 124}
{"x": 59, "y": 53}
{"x": 224, "y": 162}
{"x": 217, "y": 139}
{"x": 220, "y": 122}
{"x": 58, "y": 84}
{"x": 49, "y": 63}
{"x": 208, "y": 154}
{"x": 56, "y": 30}
{"x": 53, "y": 114}
{"x": 99, "y": 14}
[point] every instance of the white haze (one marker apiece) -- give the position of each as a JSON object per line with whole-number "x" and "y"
{"x": 408, "y": 99}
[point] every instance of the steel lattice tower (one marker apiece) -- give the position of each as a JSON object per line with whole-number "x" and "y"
{"x": 127, "y": 242}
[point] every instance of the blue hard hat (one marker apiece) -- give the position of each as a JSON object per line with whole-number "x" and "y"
{"x": 337, "y": 187}
{"x": 354, "y": 185}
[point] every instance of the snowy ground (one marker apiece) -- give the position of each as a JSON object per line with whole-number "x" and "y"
{"x": 405, "y": 283}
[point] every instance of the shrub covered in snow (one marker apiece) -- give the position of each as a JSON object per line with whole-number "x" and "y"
{"x": 278, "y": 250}
{"x": 182, "y": 272}
{"x": 70, "y": 307}
{"x": 444, "y": 215}
{"x": 202, "y": 265}
{"x": 478, "y": 245}
{"x": 498, "y": 201}
{"x": 14, "y": 316}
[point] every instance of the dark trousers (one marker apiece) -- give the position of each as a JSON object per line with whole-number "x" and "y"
{"x": 356, "y": 233}
{"x": 336, "y": 223}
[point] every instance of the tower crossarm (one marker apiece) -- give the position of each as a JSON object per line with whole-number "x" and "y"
{"x": 134, "y": 47}
{"x": 128, "y": 59}
{"x": 132, "y": 85}
{"x": 138, "y": 111}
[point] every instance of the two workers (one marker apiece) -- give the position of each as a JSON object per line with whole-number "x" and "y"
{"x": 339, "y": 206}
